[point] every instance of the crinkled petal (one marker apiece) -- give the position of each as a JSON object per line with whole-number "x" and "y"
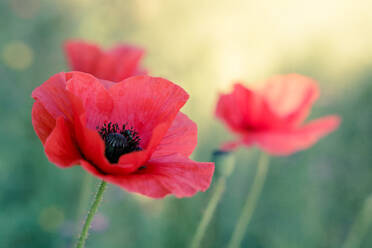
{"x": 289, "y": 141}
{"x": 178, "y": 174}
{"x": 42, "y": 121}
{"x": 93, "y": 147}
{"x": 291, "y": 97}
{"x": 144, "y": 102}
{"x": 60, "y": 147}
{"x": 181, "y": 137}
{"x": 174, "y": 174}
{"x": 132, "y": 161}
{"x": 150, "y": 185}
{"x": 96, "y": 100}
{"x": 91, "y": 144}
{"x": 54, "y": 97}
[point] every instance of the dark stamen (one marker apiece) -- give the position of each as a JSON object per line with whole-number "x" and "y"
{"x": 118, "y": 141}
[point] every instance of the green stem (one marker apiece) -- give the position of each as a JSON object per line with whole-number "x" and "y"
{"x": 91, "y": 213}
{"x": 251, "y": 202}
{"x": 360, "y": 226}
{"x": 227, "y": 161}
{"x": 216, "y": 197}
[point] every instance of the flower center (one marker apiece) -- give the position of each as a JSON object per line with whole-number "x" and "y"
{"x": 118, "y": 141}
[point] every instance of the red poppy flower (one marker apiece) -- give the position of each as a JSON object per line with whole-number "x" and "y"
{"x": 130, "y": 133}
{"x": 272, "y": 117}
{"x": 116, "y": 64}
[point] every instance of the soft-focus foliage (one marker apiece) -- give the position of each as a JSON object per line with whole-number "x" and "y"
{"x": 310, "y": 199}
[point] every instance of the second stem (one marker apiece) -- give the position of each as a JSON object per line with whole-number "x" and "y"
{"x": 226, "y": 161}
{"x": 251, "y": 202}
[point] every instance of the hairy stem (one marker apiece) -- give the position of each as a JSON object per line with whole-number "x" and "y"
{"x": 92, "y": 211}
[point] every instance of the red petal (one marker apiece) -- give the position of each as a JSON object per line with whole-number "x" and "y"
{"x": 231, "y": 108}
{"x": 93, "y": 147}
{"x": 244, "y": 110}
{"x": 145, "y": 102}
{"x": 132, "y": 161}
{"x": 106, "y": 84}
{"x": 288, "y": 142}
{"x": 54, "y": 97}
{"x": 95, "y": 98}
{"x": 42, "y": 121}
{"x": 82, "y": 56}
{"x": 181, "y": 137}
{"x": 173, "y": 174}
{"x": 177, "y": 174}
{"x": 60, "y": 148}
{"x": 113, "y": 65}
{"x": 89, "y": 140}
{"x": 150, "y": 185}
{"x": 90, "y": 144}
{"x": 119, "y": 63}
{"x": 291, "y": 96}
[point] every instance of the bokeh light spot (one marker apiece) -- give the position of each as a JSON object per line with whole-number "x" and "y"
{"x": 51, "y": 218}
{"x": 17, "y": 55}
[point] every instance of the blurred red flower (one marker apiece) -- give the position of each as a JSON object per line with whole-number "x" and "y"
{"x": 272, "y": 117}
{"x": 130, "y": 133}
{"x": 116, "y": 64}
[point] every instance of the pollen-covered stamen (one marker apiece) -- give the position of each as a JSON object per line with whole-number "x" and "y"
{"x": 118, "y": 141}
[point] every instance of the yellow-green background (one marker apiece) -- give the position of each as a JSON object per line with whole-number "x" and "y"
{"x": 311, "y": 198}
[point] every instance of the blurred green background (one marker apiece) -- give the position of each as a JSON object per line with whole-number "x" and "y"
{"x": 311, "y": 199}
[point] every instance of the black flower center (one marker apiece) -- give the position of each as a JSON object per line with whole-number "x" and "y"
{"x": 118, "y": 141}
